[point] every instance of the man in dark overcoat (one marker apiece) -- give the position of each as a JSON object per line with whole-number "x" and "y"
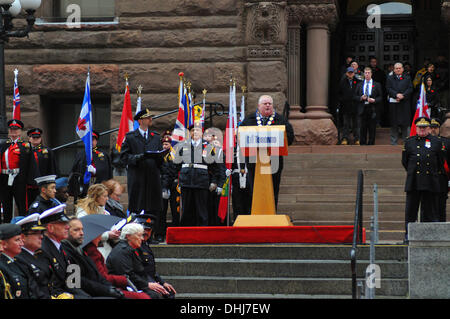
{"x": 399, "y": 89}
{"x": 347, "y": 90}
{"x": 140, "y": 152}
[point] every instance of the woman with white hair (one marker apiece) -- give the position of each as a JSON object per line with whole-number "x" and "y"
{"x": 124, "y": 260}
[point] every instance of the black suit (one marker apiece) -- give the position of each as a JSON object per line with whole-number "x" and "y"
{"x": 367, "y": 112}
{"x": 91, "y": 280}
{"x": 144, "y": 177}
{"x": 39, "y": 269}
{"x": 423, "y": 158}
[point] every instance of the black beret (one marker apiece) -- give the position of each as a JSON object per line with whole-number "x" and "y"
{"x": 9, "y": 230}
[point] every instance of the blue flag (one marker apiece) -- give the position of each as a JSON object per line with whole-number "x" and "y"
{"x": 84, "y": 128}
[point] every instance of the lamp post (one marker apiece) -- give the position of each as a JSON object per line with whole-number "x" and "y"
{"x": 9, "y": 9}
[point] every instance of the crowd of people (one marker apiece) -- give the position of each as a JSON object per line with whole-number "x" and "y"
{"x": 40, "y": 240}
{"x": 370, "y": 97}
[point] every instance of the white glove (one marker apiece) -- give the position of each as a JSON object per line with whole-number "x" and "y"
{"x": 228, "y": 172}
{"x": 91, "y": 169}
{"x": 212, "y": 187}
{"x": 219, "y": 190}
{"x": 166, "y": 194}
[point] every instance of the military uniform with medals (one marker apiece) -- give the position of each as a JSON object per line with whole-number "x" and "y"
{"x": 423, "y": 159}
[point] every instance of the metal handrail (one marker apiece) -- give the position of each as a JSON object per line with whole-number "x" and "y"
{"x": 357, "y": 230}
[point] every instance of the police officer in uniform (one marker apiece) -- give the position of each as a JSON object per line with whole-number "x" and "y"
{"x": 17, "y": 170}
{"x": 142, "y": 152}
{"x": 444, "y": 174}
{"x": 199, "y": 175}
{"x": 46, "y": 198}
{"x": 23, "y": 285}
{"x": 148, "y": 258}
{"x": 423, "y": 158}
{"x": 101, "y": 168}
{"x": 44, "y": 158}
{"x": 32, "y": 232}
{"x": 53, "y": 255}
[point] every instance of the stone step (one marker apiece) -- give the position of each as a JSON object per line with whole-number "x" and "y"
{"x": 279, "y": 251}
{"x": 342, "y": 189}
{"x": 339, "y": 198}
{"x": 333, "y": 208}
{"x": 279, "y": 285}
{"x": 264, "y": 268}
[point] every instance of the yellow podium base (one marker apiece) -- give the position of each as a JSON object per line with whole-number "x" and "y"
{"x": 263, "y": 220}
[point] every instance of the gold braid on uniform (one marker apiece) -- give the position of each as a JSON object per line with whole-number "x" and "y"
{"x": 64, "y": 295}
{"x": 7, "y": 286}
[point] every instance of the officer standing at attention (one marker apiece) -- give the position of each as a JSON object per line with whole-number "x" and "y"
{"x": 423, "y": 158}
{"x": 142, "y": 152}
{"x": 44, "y": 158}
{"x": 17, "y": 169}
{"x": 199, "y": 175}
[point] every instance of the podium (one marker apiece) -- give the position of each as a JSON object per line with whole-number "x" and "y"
{"x": 261, "y": 142}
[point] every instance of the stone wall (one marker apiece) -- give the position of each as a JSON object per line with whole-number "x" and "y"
{"x": 152, "y": 42}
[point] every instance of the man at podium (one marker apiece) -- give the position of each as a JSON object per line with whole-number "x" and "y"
{"x": 266, "y": 115}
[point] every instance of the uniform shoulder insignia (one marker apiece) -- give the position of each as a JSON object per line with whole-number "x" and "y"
{"x": 35, "y": 205}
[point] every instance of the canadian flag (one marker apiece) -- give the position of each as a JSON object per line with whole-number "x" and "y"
{"x": 421, "y": 110}
{"x": 16, "y": 98}
{"x": 126, "y": 121}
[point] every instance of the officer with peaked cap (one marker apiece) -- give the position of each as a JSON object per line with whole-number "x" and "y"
{"x": 44, "y": 158}
{"x": 101, "y": 168}
{"x": 23, "y": 285}
{"x": 32, "y": 231}
{"x": 142, "y": 152}
{"x": 423, "y": 158}
{"x": 53, "y": 255}
{"x": 147, "y": 256}
{"x": 17, "y": 170}
{"x": 46, "y": 198}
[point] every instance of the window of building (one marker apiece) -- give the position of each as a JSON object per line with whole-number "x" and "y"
{"x": 361, "y": 7}
{"x": 60, "y": 119}
{"x": 391, "y": 8}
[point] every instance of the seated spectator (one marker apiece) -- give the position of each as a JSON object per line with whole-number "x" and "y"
{"x": 91, "y": 280}
{"x": 118, "y": 281}
{"x": 145, "y": 252}
{"x": 113, "y": 205}
{"x": 94, "y": 203}
{"x": 124, "y": 260}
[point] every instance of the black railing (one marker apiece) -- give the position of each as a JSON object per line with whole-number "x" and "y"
{"x": 357, "y": 230}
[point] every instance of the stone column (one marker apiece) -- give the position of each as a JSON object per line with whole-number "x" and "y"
{"x": 316, "y": 125}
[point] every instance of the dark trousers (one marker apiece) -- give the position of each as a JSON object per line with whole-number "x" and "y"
{"x": 443, "y": 207}
{"x": 368, "y": 125}
{"x": 213, "y": 209}
{"x": 161, "y": 226}
{"x": 429, "y": 203}
{"x": 241, "y": 199}
{"x": 350, "y": 124}
{"x": 7, "y": 193}
{"x": 194, "y": 204}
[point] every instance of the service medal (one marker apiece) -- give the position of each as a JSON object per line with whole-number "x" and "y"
{"x": 427, "y": 144}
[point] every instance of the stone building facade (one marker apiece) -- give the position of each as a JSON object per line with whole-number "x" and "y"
{"x": 291, "y": 49}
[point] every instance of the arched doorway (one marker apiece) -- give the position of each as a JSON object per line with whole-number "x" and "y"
{"x": 386, "y": 32}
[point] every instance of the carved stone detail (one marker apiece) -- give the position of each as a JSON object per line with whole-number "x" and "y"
{"x": 266, "y": 23}
{"x": 325, "y": 13}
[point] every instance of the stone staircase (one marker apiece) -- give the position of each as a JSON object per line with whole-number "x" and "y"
{"x": 276, "y": 271}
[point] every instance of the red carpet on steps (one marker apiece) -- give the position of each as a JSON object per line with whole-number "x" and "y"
{"x": 261, "y": 234}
